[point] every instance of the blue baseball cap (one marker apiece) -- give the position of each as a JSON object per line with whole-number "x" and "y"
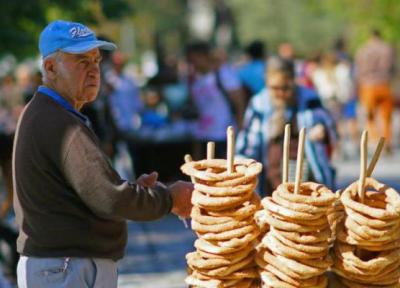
{"x": 70, "y": 37}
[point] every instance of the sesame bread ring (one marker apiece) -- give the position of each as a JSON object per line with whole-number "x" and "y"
{"x": 263, "y": 260}
{"x": 374, "y": 245}
{"x": 304, "y": 238}
{"x": 349, "y": 198}
{"x": 225, "y": 191}
{"x": 219, "y": 228}
{"x": 244, "y": 168}
{"x": 192, "y": 281}
{"x": 240, "y": 241}
{"x": 246, "y": 273}
{"x": 229, "y": 269}
{"x": 280, "y": 248}
{"x": 286, "y": 212}
{"x": 319, "y": 247}
{"x": 388, "y": 276}
{"x": 212, "y": 217}
{"x": 202, "y": 217}
{"x": 352, "y": 284}
{"x": 323, "y": 263}
{"x": 245, "y": 283}
{"x": 195, "y": 261}
{"x": 310, "y": 282}
{"x": 318, "y": 222}
{"x": 300, "y": 207}
{"x": 375, "y": 265}
{"x": 238, "y": 211}
{"x": 272, "y": 281}
{"x": 213, "y": 248}
{"x": 219, "y": 203}
{"x": 250, "y": 272}
{"x": 310, "y": 193}
{"x": 361, "y": 219}
{"x": 290, "y": 266}
{"x": 367, "y": 232}
{"x": 226, "y": 235}
{"x": 287, "y": 226}
{"x": 362, "y": 237}
{"x": 239, "y": 254}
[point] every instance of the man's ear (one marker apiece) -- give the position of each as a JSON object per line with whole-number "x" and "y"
{"x": 50, "y": 66}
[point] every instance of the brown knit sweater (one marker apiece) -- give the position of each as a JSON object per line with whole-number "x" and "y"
{"x": 69, "y": 201}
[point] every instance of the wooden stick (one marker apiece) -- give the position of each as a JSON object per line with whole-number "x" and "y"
{"x": 286, "y": 143}
{"x": 231, "y": 149}
{"x": 376, "y": 156}
{"x": 210, "y": 150}
{"x": 188, "y": 159}
{"x": 300, "y": 156}
{"x": 363, "y": 164}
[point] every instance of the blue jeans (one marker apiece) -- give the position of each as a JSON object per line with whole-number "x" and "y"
{"x": 33, "y": 272}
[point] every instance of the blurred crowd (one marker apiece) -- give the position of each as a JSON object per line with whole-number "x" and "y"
{"x": 195, "y": 96}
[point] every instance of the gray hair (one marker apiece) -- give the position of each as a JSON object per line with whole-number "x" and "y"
{"x": 278, "y": 65}
{"x": 56, "y": 56}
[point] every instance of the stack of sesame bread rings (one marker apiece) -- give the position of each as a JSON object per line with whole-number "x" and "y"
{"x": 224, "y": 204}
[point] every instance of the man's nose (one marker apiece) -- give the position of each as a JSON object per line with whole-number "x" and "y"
{"x": 95, "y": 68}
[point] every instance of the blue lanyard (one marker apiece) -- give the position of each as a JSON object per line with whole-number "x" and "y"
{"x": 60, "y": 100}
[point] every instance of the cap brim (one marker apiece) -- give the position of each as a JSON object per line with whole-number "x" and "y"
{"x": 84, "y": 47}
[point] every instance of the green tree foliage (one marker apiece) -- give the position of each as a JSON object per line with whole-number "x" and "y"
{"x": 22, "y": 20}
{"x": 162, "y": 19}
{"x": 363, "y": 15}
{"x": 309, "y": 28}
{"x": 313, "y": 25}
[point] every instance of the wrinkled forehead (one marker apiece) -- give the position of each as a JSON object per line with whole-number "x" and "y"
{"x": 91, "y": 54}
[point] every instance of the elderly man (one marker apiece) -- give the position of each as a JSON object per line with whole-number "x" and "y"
{"x": 70, "y": 203}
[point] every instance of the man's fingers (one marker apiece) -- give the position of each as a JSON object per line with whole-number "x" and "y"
{"x": 152, "y": 178}
{"x": 148, "y": 180}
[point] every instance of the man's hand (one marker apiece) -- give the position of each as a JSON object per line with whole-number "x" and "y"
{"x": 317, "y": 133}
{"x": 181, "y": 196}
{"x": 147, "y": 180}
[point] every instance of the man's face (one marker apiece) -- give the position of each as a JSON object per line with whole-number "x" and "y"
{"x": 78, "y": 75}
{"x": 200, "y": 61}
{"x": 281, "y": 89}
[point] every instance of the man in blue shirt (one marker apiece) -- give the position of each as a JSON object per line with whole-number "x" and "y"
{"x": 71, "y": 205}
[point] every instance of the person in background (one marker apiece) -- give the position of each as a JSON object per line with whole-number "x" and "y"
{"x": 350, "y": 129}
{"x": 227, "y": 76}
{"x": 125, "y": 99}
{"x": 374, "y": 66}
{"x": 286, "y": 54}
{"x": 252, "y": 73}
{"x": 11, "y": 103}
{"x": 280, "y": 103}
{"x": 71, "y": 205}
{"x": 333, "y": 82}
{"x": 308, "y": 68}
{"x": 155, "y": 111}
{"x": 219, "y": 102}
{"x": 125, "y": 103}
{"x": 34, "y": 82}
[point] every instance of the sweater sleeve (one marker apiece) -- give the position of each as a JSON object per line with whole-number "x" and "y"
{"x": 88, "y": 171}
